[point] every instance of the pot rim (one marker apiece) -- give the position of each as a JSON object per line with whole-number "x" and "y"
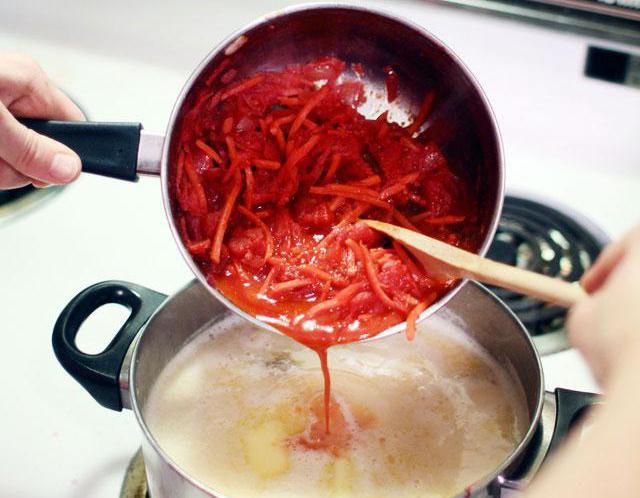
{"x": 227, "y": 42}
{"x": 481, "y": 483}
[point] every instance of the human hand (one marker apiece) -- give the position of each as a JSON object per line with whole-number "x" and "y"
{"x": 605, "y": 327}
{"x": 25, "y": 156}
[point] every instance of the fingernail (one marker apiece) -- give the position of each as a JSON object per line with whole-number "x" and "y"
{"x": 64, "y": 168}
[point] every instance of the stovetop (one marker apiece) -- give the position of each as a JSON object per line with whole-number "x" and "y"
{"x": 553, "y": 241}
{"x": 567, "y": 138}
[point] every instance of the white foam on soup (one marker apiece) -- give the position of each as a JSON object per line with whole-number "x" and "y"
{"x": 428, "y": 418}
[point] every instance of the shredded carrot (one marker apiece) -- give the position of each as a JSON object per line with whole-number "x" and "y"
{"x": 437, "y": 220}
{"x": 249, "y": 185}
{"x": 336, "y": 203}
{"x": 307, "y": 123}
{"x": 318, "y": 167}
{"x": 333, "y": 167}
{"x": 217, "y": 71}
{"x": 425, "y": 107}
{"x": 290, "y": 285}
{"x": 402, "y": 219}
{"x": 268, "y": 252}
{"x": 266, "y": 164}
{"x": 276, "y": 261}
{"x": 194, "y": 179}
{"x": 370, "y": 181}
{"x": 350, "y": 189}
{"x": 182, "y": 228}
{"x": 351, "y": 195}
{"x": 412, "y": 318}
{"x": 227, "y": 125}
{"x": 308, "y": 107}
{"x": 241, "y": 87}
{"x": 277, "y": 123}
{"x": 340, "y": 299}
{"x": 362, "y": 253}
{"x": 289, "y": 101}
{"x": 209, "y": 151}
{"x": 354, "y": 214}
{"x": 289, "y": 148}
{"x": 233, "y": 167}
{"x": 298, "y": 154}
{"x": 406, "y": 259}
{"x": 264, "y": 289}
{"x": 399, "y": 185}
{"x": 216, "y": 246}
{"x": 282, "y": 143}
{"x": 231, "y": 146}
{"x": 179, "y": 172}
{"x": 265, "y": 213}
{"x": 314, "y": 271}
{"x": 198, "y": 247}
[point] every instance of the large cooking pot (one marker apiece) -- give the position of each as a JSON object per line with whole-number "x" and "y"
{"x": 467, "y": 130}
{"x": 124, "y": 373}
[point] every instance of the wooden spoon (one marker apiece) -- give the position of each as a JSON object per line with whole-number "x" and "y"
{"x": 447, "y": 261}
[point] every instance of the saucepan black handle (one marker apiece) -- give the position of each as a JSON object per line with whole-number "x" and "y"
{"x": 571, "y": 406}
{"x": 107, "y": 149}
{"x": 563, "y": 409}
{"x": 99, "y": 373}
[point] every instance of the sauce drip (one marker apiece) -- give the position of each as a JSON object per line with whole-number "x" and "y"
{"x": 270, "y": 177}
{"x": 326, "y": 376}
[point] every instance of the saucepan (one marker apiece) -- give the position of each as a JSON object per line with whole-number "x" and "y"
{"x": 468, "y": 132}
{"x": 124, "y": 373}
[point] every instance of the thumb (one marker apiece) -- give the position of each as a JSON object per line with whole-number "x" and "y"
{"x": 34, "y": 155}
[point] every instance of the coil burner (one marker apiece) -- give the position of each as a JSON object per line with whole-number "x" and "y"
{"x": 548, "y": 240}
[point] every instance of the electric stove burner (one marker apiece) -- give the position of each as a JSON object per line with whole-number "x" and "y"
{"x": 19, "y": 200}
{"x": 543, "y": 239}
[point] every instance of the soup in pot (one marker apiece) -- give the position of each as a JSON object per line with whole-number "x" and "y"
{"x": 240, "y": 410}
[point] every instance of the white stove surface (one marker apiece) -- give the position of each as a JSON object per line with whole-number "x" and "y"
{"x": 566, "y": 138}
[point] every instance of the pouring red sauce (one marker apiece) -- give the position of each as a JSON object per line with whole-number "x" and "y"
{"x": 271, "y": 176}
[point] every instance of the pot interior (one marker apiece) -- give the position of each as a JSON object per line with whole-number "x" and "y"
{"x": 461, "y": 122}
{"x": 474, "y": 309}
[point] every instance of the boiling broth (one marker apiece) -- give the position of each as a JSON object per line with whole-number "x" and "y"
{"x": 237, "y": 407}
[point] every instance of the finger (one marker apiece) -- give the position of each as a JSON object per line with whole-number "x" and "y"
{"x": 597, "y": 275}
{"x": 26, "y": 91}
{"x": 10, "y": 178}
{"x": 608, "y": 260}
{"x": 33, "y": 155}
{"x": 62, "y": 107}
{"x": 45, "y": 100}
{"x": 583, "y": 335}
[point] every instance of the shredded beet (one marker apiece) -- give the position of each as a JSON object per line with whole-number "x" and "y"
{"x": 271, "y": 177}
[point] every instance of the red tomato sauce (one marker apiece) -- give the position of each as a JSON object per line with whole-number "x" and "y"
{"x": 272, "y": 174}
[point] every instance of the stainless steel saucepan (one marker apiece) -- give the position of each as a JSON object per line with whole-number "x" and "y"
{"x": 123, "y": 374}
{"x": 462, "y": 121}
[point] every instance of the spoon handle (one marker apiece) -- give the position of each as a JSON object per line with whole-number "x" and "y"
{"x": 447, "y": 261}
{"x": 551, "y": 290}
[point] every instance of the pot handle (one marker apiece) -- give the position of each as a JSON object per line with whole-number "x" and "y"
{"x": 99, "y": 373}
{"x": 570, "y": 408}
{"x": 116, "y": 150}
{"x": 562, "y": 410}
